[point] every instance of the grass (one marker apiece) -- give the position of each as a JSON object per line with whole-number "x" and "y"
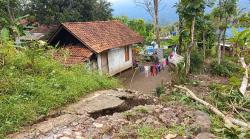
{"x": 29, "y": 90}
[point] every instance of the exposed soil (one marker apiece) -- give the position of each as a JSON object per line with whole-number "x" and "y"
{"x": 131, "y": 111}
{"x": 142, "y": 83}
{"x": 203, "y": 82}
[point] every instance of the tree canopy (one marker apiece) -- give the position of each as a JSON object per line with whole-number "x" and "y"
{"x": 57, "y": 11}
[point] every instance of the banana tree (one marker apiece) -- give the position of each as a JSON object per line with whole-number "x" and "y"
{"x": 12, "y": 28}
{"x": 240, "y": 41}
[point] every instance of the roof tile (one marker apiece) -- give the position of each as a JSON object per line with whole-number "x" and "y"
{"x": 103, "y": 35}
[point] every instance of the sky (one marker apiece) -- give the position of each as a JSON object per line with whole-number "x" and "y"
{"x": 167, "y": 15}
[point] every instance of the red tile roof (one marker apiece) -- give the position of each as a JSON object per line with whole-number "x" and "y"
{"x": 103, "y": 35}
{"x": 77, "y": 55}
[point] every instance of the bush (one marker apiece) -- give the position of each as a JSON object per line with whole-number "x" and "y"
{"x": 196, "y": 62}
{"x": 34, "y": 84}
{"x": 179, "y": 75}
{"x": 226, "y": 68}
{"x": 160, "y": 90}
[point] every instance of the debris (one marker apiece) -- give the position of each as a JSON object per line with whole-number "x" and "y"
{"x": 231, "y": 122}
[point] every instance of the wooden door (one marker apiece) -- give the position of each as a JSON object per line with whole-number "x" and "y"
{"x": 105, "y": 67}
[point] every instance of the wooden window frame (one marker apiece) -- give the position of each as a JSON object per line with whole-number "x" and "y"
{"x": 127, "y": 56}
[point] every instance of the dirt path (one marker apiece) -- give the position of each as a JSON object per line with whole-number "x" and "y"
{"x": 142, "y": 83}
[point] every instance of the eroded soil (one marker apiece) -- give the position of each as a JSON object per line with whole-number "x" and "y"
{"x": 118, "y": 114}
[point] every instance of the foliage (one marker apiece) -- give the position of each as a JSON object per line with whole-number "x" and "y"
{"x": 149, "y": 132}
{"x": 225, "y": 97}
{"x": 226, "y": 68}
{"x": 205, "y": 25}
{"x": 240, "y": 40}
{"x": 179, "y": 76}
{"x": 27, "y": 92}
{"x": 174, "y": 40}
{"x": 58, "y": 11}
{"x": 244, "y": 20}
{"x": 196, "y": 62}
{"x": 160, "y": 90}
{"x": 138, "y": 25}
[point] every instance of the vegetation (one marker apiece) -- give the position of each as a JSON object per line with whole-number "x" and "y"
{"x": 32, "y": 84}
{"x": 226, "y": 68}
{"x": 138, "y": 25}
{"x": 57, "y": 11}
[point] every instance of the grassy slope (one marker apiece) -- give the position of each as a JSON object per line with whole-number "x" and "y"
{"x": 27, "y": 92}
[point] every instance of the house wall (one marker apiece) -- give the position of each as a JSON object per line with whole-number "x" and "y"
{"x": 116, "y": 60}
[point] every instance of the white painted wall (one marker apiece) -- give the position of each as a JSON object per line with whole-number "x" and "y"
{"x": 99, "y": 63}
{"x": 116, "y": 58}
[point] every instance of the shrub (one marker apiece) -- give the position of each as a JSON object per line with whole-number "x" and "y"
{"x": 160, "y": 90}
{"x": 179, "y": 75}
{"x": 196, "y": 61}
{"x": 226, "y": 68}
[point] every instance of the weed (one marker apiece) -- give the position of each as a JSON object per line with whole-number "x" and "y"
{"x": 34, "y": 84}
{"x": 149, "y": 132}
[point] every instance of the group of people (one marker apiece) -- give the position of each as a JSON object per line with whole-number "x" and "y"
{"x": 153, "y": 69}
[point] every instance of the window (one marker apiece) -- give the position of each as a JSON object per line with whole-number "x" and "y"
{"x": 127, "y": 53}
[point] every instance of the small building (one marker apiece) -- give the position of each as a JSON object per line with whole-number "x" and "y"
{"x": 106, "y": 45}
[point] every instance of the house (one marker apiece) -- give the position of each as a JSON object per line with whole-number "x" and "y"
{"x": 106, "y": 45}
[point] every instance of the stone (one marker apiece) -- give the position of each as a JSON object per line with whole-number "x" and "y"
{"x": 65, "y": 137}
{"x": 170, "y": 136}
{"x": 202, "y": 120}
{"x": 205, "y": 135}
{"x": 98, "y": 125}
{"x": 60, "y": 121}
{"x": 100, "y": 101}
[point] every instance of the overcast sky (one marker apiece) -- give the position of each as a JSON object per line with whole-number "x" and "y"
{"x": 167, "y": 15}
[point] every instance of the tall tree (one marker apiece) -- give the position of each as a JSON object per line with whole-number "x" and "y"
{"x": 223, "y": 14}
{"x": 56, "y": 11}
{"x": 153, "y": 7}
{"x": 189, "y": 10}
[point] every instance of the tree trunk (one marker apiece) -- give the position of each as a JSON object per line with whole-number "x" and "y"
{"x": 231, "y": 122}
{"x": 244, "y": 83}
{"x": 156, "y": 14}
{"x": 219, "y": 36}
{"x": 204, "y": 44}
{"x": 188, "y": 61}
{"x": 224, "y": 38}
{"x": 219, "y": 48}
{"x": 224, "y": 43}
{"x": 191, "y": 45}
{"x": 180, "y": 34}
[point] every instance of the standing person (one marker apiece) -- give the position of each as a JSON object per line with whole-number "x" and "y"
{"x": 146, "y": 69}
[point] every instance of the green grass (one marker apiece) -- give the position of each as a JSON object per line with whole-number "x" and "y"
{"x": 29, "y": 91}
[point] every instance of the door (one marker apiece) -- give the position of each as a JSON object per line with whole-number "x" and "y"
{"x": 104, "y": 57}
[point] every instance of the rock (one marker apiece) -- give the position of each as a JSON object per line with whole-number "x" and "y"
{"x": 97, "y": 125}
{"x": 205, "y": 135}
{"x": 202, "y": 120}
{"x": 64, "y": 137}
{"x": 170, "y": 136}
